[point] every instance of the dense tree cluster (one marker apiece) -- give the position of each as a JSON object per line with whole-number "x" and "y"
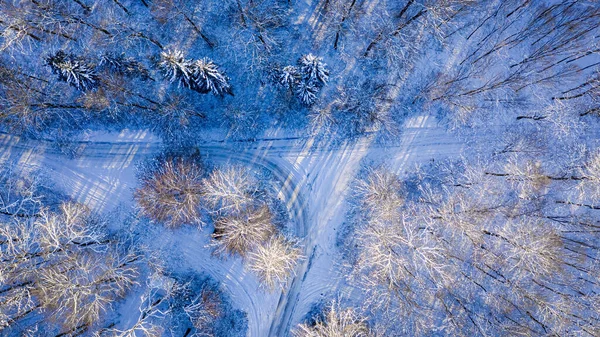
{"x": 60, "y": 266}
{"x": 64, "y": 273}
{"x": 178, "y": 192}
{"x": 501, "y": 242}
{"x": 484, "y": 247}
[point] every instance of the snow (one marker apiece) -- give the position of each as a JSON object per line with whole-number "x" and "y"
{"x": 314, "y": 172}
{"x": 314, "y": 187}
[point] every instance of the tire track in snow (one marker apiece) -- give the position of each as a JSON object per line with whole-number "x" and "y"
{"x": 273, "y": 154}
{"x": 290, "y": 193}
{"x": 100, "y": 152}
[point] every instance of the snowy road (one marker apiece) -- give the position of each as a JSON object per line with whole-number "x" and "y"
{"x": 314, "y": 184}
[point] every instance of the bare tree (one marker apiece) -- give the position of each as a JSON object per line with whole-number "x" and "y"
{"x": 338, "y": 322}
{"x": 154, "y": 308}
{"x": 549, "y": 38}
{"x": 258, "y": 21}
{"x": 477, "y": 233}
{"x": 78, "y": 291}
{"x": 172, "y": 194}
{"x": 61, "y": 266}
{"x": 229, "y": 189}
{"x": 380, "y": 193}
{"x": 165, "y": 11}
{"x": 25, "y": 102}
{"x": 589, "y": 173}
{"x": 20, "y": 195}
{"x": 240, "y": 233}
{"x": 204, "y": 310}
{"x": 274, "y": 261}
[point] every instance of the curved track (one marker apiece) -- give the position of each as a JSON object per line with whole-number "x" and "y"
{"x": 320, "y": 173}
{"x": 217, "y": 152}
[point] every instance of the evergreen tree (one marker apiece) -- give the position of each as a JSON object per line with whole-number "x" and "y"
{"x": 74, "y": 70}
{"x": 207, "y": 78}
{"x": 176, "y": 68}
{"x": 306, "y": 79}
{"x": 289, "y": 77}
{"x": 201, "y": 75}
{"x": 313, "y": 70}
{"x": 125, "y": 65}
{"x": 306, "y": 92}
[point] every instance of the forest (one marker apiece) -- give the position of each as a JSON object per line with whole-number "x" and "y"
{"x": 301, "y": 168}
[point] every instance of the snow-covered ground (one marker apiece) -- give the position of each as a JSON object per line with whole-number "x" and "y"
{"x": 314, "y": 184}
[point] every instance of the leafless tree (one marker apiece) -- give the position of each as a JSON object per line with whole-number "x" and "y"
{"x": 587, "y": 94}
{"x": 61, "y": 266}
{"x": 20, "y": 195}
{"x": 172, "y": 194}
{"x": 258, "y": 19}
{"x": 481, "y": 231}
{"x": 380, "y": 193}
{"x": 338, "y": 322}
{"x": 589, "y": 173}
{"x": 25, "y": 103}
{"x": 153, "y": 310}
{"x": 229, "y": 189}
{"x": 164, "y": 11}
{"x": 274, "y": 261}
{"x": 203, "y": 310}
{"x": 79, "y": 290}
{"x": 240, "y": 233}
{"x": 436, "y": 16}
{"x": 362, "y": 108}
{"x": 549, "y": 38}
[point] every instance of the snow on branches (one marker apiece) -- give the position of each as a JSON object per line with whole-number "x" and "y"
{"x": 125, "y": 65}
{"x": 306, "y": 79}
{"x": 233, "y": 198}
{"x": 313, "y": 70}
{"x": 200, "y": 75}
{"x": 74, "y": 70}
{"x": 336, "y": 322}
{"x": 240, "y": 233}
{"x": 60, "y": 265}
{"x": 208, "y": 78}
{"x": 245, "y": 226}
{"x": 172, "y": 193}
{"x": 274, "y": 261}
{"x": 229, "y": 189}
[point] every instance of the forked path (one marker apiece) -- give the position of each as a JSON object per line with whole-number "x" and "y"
{"x": 314, "y": 181}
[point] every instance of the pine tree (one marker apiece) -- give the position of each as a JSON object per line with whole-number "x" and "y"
{"x": 74, "y": 70}
{"x": 289, "y": 77}
{"x": 176, "y": 68}
{"x": 201, "y": 75}
{"x": 125, "y": 66}
{"x": 306, "y": 92}
{"x": 313, "y": 70}
{"x": 207, "y": 78}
